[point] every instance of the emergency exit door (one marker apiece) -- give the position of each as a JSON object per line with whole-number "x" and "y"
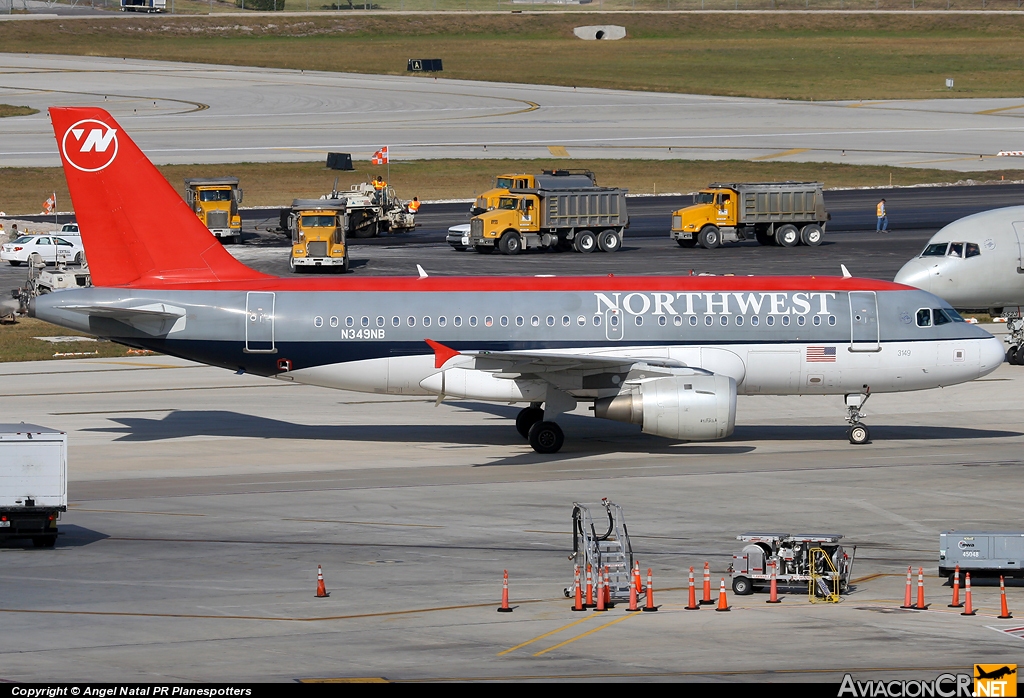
{"x": 613, "y": 324}
{"x": 864, "y": 321}
{"x": 259, "y": 323}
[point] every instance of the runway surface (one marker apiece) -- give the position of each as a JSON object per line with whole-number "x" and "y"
{"x": 192, "y": 113}
{"x": 202, "y": 503}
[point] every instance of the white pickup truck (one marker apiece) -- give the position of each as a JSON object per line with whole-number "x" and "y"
{"x": 33, "y": 482}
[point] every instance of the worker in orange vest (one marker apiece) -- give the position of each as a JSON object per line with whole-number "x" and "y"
{"x": 883, "y": 218}
{"x": 379, "y": 183}
{"x": 413, "y": 206}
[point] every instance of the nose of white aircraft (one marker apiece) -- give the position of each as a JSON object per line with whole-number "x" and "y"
{"x": 992, "y": 355}
{"x": 918, "y": 274}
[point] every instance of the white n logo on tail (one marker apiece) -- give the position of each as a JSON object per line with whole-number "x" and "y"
{"x": 89, "y": 145}
{"x": 97, "y": 139}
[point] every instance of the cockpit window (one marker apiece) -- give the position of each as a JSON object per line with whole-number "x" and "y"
{"x": 945, "y": 315}
{"x": 924, "y": 317}
{"x": 956, "y": 249}
{"x": 937, "y": 249}
{"x": 972, "y": 249}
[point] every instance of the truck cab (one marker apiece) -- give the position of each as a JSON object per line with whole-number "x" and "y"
{"x": 513, "y": 212}
{"x": 715, "y": 207}
{"x": 317, "y": 228}
{"x": 215, "y": 201}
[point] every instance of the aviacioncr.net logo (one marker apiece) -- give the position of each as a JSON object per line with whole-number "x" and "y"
{"x": 89, "y": 145}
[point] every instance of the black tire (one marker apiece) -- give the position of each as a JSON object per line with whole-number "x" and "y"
{"x": 527, "y": 418}
{"x": 710, "y": 237}
{"x": 741, "y": 586}
{"x": 1020, "y": 356}
{"x": 79, "y": 259}
{"x": 510, "y": 243}
{"x": 546, "y": 437}
{"x": 44, "y": 541}
{"x": 609, "y": 241}
{"x": 1011, "y": 353}
{"x": 687, "y": 243}
{"x": 345, "y": 265}
{"x": 459, "y": 248}
{"x": 811, "y": 235}
{"x": 763, "y": 238}
{"x": 787, "y": 236}
{"x": 859, "y": 434}
{"x": 585, "y": 242}
{"x": 14, "y": 264}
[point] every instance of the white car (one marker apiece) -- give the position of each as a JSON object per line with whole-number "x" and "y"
{"x": 44, "y": 248}
{"x": 458, "y": 237}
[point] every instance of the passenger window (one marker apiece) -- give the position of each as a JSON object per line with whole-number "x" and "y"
{"x": 442, "y": 321}
{"x": 770, "y": 320}
{"x": 597, "y": 321}
{"x": 519, "y": 321}
{"x": 724, "y": 320}
{"x": 937, "y": 249}
{"x": 365, "y": 321}
{"x": 488, "y": 321}
{"x": 334, "y": 321}
{"x": 639, "y": 320}
{"x": 412, "y": 321}
{"x": 924, "y": 317}
{"x": 396, "y": 321}
{"x": 662, "y": 320}
{"x": 380, "y": 321}
{"x": 709, "y": 320}
{"x": 426, "y": 321}
{"x": 739, "y": 321}
{"x": 318, "y": 321}
{"x": 755, "y": 321}
{"x": 349, "y": 321}
{"x": 535, "y": 321}
{"x": 504, "y": 320}
{"x": 472, "y": 320}
{"x": 581, "y": 321}
{"x": 817, "y": 320}
{"x": 551, "y": 320}
{"x": 457, "y": 320}
{"x": 956, "y": 249}
{"x": 566, "y": 321}
{"x": 972, "y": 250}
{"x": 801, "y": 320}
{"x": 677, "y": 320}
{"x": 940, "y": 317}
{"x": 693, "y": 321}
{"x": 43, "y": 241}
{"x": 785, "y": 321}
{"x": 832, "y": 320}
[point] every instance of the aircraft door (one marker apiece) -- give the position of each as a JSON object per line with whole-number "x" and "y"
{"x": 864, "y": 331}
{"x": 1018, "y": 228}
{"x": 259, "y": 323}
{"x": 613, "y": 321}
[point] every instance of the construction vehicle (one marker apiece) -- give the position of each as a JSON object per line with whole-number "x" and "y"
{"x": 611, "y": 549}
{"x": 318, "y": 230}
{"x": 982, "y": 553}
{"x": 583, "y": 219}
{"x": 780, "y": 213}
{"x": 371, "y": 213}
{"x": 33, "y": 482}
{"x": 818, "y": 561}
{"x": 215, "y": 200}
{"x": 148, "y": 6}
{"x": 458, "y": 235}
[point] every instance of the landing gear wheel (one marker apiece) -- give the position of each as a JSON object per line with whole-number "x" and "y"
{"x": 811, "y": 235}
{"x": 546, "y": 437}
{"x": 527, "y": 418}
{"x": 687, "y": 243}
{"x": 710, "y": 237}
{"x": 1011, "y": 353}
{"x": 859, "y": 434}
{"x": 741, "y": 586}
{"x": 585, "y": 242}
{"x": 510, "y": 243}
{"x": 609, "y": 241}
{"x": 1020, "y": 355}
{"x": 787, "y": 236}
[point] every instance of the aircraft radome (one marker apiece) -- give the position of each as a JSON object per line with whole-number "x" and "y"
{"x": 976, "y": 263}
{"x": 667, "y": 353}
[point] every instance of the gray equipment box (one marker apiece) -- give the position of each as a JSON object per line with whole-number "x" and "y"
{"x": 586, "y": 208}
{"x": 982, "y": 553}
{"x": 779, "y": 202}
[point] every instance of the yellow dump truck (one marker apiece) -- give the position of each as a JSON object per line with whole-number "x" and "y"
{"x": 317, "y": 228}
{"x": 215, "y": 200}
{"x": 780, "y": 213}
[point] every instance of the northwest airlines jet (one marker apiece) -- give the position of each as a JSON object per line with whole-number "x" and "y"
{"x": 669, "y": 354}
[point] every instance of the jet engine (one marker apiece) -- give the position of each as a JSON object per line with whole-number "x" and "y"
{"x": 699, "y": 407}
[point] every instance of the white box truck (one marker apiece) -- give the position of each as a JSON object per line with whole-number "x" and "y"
{"x": 33, "y": 482}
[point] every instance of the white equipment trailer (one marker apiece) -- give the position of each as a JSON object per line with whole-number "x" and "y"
{"x": 33, "y": 482}
{"x": 817, "y": 560}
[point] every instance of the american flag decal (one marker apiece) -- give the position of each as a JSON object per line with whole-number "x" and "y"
{"x": 821, "y": 355}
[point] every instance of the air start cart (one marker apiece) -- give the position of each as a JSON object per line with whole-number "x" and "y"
{"x": 817, "y": 560}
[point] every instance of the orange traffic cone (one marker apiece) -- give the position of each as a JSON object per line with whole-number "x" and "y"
{"x": 578, "y": 606}
{"x": 607, "y": 589}
{"x": 632, "y": 597}
{"x": 1002, "y": 600}
{"x": 723, "y": 602}
{"x": 707, "y": 586}
{"x": 969, "y": 609}
{"x": 920, "y": 591}
{"x": 692, "y": 605}
{"x": 321, "y": 590}
{"x": 600, "y": 593}
{"x": 590, "y": 588}
{"x": 504, "y": 608}
{"x": 955, "y": 603}
{"x": 907, "y": 603}
{"x": 650, "y": 607}
{"x": 774, "y": 597}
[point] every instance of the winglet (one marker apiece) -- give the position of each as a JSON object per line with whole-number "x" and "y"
{"x": 420, "y": 271}
{"x": 846, "y": 272}
{"x": 441, "y": 352}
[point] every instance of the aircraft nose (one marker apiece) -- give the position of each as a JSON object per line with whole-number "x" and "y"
{"x": 917, "y": 274}
{"x": 991, "y": 357}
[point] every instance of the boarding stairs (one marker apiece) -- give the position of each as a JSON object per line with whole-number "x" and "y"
{"x": 610, "y": 548}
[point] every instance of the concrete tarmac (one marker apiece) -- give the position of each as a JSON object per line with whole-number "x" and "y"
{"x": 202, "y": 503}
{"x": 194, "y": 113}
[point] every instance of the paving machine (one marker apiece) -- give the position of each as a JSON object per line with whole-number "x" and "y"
{"x": 817, "y": 560}
{"x": 372, "y": 212}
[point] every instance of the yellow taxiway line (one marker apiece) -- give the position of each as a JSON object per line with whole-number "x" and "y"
{"x": 583, "y": 635}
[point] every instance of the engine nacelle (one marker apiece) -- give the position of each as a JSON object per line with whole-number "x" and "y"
{"x": 690, "y": 408}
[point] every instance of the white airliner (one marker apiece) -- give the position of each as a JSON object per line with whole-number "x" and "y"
{"x": 667, "y": 353}
{"x": 977, "y": 263}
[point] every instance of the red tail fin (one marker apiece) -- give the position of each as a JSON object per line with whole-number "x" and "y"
{"x": 135, "y": 227}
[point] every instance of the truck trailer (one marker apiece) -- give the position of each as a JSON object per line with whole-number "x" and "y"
{"x": 33, "y": 482}
{"x": 584, "y": 219}
{"x": 780, "y": 213}
{"x": 982, "y": 553}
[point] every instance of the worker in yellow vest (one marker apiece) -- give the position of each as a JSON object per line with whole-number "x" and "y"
{"x": 379, "y": 190}
{"x": 883, "y": 218}
{"x": 379, "y": 183}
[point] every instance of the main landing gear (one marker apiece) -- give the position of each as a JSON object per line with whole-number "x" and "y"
{"x": 858, "y": 433}
{"x": 544, "y": 437}
{"x": 1015, "y": 354}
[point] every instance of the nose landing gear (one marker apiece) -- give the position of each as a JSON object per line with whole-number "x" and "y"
{"x": 858, "y": 433}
